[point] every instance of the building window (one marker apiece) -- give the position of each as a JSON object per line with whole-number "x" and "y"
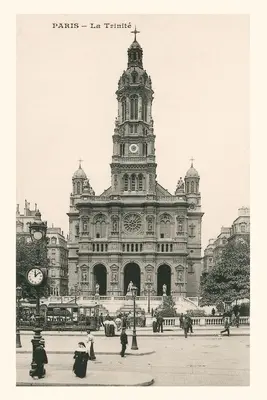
{"x": 141, "y": 247}
{"x": 128, "y": 247}
{"x": 243, "y": 228}
{"x": 167, "y": 247}
{"x": 98, "y": 235}
{"x": 136, "y": 247}
{"x": 135, "y": 128}
{"x": 144, "y": 110}
{"x": 134, "y": 107}
{"x": 106, "y": 247}
{"x": 53, "y": 273}
{"x": 123, "y": 109}
{"x": 171, "y": 247}
{"x": 165, "y": 226}
{"x": 140, "y": 182}
{"x": 162, "y": 247}
{"x": 123, "y": 247}
{"x": 133, "y": 182}
{"x": 97, "y": 247}
{"x": 131, "y": 128}
{"x": 162, "y": 235}
{"x": 93, "y": 247}
{"x": 132, "y": 247}
{"x": 192, "y": 187}
{"x": 126, "y": 183}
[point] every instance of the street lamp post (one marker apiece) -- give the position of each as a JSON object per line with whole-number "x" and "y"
{"x": 18, "y": 297}
{"x": 38, "y": 235}
{"x": 134, "y": 340}
{"x": 148, "y": 296}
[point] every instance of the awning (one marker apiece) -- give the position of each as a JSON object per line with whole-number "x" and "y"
{"x": 62, "y": 305}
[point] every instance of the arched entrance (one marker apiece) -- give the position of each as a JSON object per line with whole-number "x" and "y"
{"x": 132, "y": 273}
{"x": 100, "y": 277}
{"x": 163, "y": 277}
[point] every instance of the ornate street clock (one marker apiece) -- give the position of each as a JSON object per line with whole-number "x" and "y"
{"x": 35, "y": 276}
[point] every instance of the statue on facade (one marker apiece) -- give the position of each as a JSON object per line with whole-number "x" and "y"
{"x": 85, "y": 226}
{"x": 97, "y": 289}
{"x": 115, "y": 225}
{"x": 180, "y": 276}
{"x": 129, "y": 289}
{"x": 180, "y": 186}
{"x": 164, "y": 290}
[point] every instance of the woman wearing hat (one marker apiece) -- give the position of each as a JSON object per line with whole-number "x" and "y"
{"x": 81, "y": 357}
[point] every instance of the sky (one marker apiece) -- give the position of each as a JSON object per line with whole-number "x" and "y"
{"x": 66, "y": 106}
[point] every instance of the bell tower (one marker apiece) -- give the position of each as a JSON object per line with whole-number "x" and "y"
{"x": 133, "y": 167}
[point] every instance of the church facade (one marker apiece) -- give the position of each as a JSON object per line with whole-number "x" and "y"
{"x": 135, "y": 230}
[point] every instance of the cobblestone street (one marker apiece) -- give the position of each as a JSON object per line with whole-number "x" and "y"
{"x": 196, "y": 361}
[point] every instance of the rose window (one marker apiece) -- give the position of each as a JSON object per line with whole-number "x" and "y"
{"x": 132, "y": 222}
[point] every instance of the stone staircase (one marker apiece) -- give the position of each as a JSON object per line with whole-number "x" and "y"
{"x": 128, "y": 307}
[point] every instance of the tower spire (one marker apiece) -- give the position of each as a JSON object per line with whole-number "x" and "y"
{"x": 80, "y": 163}
{"x": 135, "y": 32}
{"x": 192, "y": 160}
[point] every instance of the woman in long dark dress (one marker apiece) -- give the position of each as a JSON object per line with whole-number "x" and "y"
{"x": 81, "y": 357}
{"x": 90, "y": 341}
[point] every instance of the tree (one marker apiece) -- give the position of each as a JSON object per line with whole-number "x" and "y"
{"x": 167, "y": 308}
{"x": 229, "y": 280}
{"x": 27, "y": 256}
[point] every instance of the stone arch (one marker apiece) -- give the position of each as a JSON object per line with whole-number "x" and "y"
{"x": 164, "y": 273}
{"x": 100, "y": 277}
{"x": 132, "y": 272}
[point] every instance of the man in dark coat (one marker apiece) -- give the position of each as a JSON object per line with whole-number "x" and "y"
{"x": 185, "y": 326}
{"x": 181, "y": 320}
{"x": 124, "y": 342}
{"x": 101, "y": 320}
{"x": 160, "y": 321}
{"x": 190, "y": 324}
{"x": 40, "y": 359}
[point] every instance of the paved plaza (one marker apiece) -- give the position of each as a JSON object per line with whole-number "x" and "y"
{"x": 176, "y": 361}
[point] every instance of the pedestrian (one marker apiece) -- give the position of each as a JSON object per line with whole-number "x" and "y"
{"x": 124, "y": 321}
{"x": 90, "y": 341}
{"x": 154, "y": 324}
{"x": 40, "y": 358}
{"x": 237, "y": 320}
{"x": 190, "y": 324}
{"x": 81, "y": 357}
{"x": 226, "y": 327}
{"x": 181, "y": 320}
{"x": 160, "y": 321}
{"x": 233, "y": 320}
{"x": 101, "y": 320}
{"x": 118, "y": 323}
{"x": 106, "y": 326}
{"x": 124, "y": 341}
{"x": 185, "y": 325}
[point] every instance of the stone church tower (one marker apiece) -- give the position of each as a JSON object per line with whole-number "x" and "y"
{"x": 135, "y": 230}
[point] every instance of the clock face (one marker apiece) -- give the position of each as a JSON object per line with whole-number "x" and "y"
{"x": 133, "y": 148}
{"x": 35, "y": 276}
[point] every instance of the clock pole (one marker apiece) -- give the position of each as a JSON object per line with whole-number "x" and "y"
{"x": 38, "y": 235}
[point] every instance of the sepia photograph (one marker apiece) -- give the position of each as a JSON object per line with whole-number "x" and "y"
{"x": 132, "y": 200}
